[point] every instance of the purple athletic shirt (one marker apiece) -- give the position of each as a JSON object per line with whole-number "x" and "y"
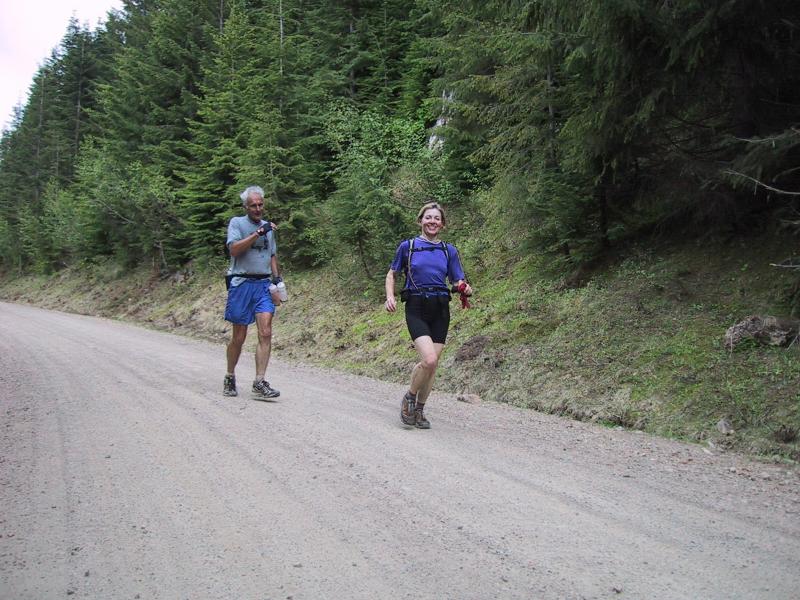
{"x": 428, "y": 267}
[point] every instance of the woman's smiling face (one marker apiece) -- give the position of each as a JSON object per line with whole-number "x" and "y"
{"x": 431, "y": 222}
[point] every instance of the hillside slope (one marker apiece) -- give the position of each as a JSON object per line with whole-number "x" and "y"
{"x": 640, "y": 345}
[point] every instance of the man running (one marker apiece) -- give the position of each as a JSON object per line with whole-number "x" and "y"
{"x": 251, "y": 243}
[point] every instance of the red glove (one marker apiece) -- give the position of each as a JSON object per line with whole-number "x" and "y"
{"x": 464, "y": 297}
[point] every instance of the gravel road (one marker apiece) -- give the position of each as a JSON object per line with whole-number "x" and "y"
{"x": 124, "y": 473}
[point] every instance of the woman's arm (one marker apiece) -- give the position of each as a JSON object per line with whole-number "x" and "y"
{"x": 391, "y": 303}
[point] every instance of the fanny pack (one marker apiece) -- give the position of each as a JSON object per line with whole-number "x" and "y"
{"x": 230, "y": 277}
{"x": 425, "y": 291}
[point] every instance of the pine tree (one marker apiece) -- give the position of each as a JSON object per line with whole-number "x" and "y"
{"x": 230, "y": 95}
{"x": 285, "y": 150}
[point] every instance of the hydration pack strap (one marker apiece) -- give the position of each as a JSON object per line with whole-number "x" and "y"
{"x": 441, "y": 246}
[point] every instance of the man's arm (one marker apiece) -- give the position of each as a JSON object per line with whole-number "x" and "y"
{"x": 273, "y": 264}
{"x": 239, "y": 247}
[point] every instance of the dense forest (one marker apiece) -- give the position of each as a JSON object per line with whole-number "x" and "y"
{"x": 556, "y": 129}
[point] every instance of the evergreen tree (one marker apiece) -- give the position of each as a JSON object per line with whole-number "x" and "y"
{"x": 364, "y": 213}
{"x": 12, "y": 181}
{"x": 145, "y": 107}
{"x": 231, "y": 94}
{"x": 587, "y": 113}
{"x": 285, "y": 149}
{"x": 362, "y": 43}
{"x": 576, "y": 125}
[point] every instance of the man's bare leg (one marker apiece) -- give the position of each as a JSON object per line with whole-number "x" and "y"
{"x": 234, "y": 350}
{"x": 264, "y": 347}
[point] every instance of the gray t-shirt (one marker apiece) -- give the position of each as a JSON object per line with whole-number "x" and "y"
{"x": 256, "y": 261}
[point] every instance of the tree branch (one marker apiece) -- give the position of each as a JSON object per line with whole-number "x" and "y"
{"x": 764, "y": 185}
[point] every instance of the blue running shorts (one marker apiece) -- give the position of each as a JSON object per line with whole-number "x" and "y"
{"x": 246, "y": 299}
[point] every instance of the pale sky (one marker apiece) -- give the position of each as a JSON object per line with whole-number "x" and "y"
{"x": 29, "y": 30}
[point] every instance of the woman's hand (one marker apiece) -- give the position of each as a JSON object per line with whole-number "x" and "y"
{"x": 390, "y": 304}
{"x": 466, "y": 289}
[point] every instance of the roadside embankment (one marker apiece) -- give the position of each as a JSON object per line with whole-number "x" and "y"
{"x": 640, "y": 344}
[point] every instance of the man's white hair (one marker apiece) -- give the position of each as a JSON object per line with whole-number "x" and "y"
{"x": 252, "y": 189}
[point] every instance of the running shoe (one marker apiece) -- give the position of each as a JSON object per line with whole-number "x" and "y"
{"x": 407, "y": 407}
{"x": 420, "y": 422}
{"x": 264, "y": 390}
{"x": 229, "y": 386}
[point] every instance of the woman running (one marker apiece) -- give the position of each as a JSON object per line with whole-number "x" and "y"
{"x": 427, "y": 263}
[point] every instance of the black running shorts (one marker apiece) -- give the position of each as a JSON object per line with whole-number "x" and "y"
{"x": 428, "y": 316}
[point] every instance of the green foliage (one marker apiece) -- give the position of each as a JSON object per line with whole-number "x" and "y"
{"x": 284, "y": 148}
{"x": 126, "y": 211}
{"x": 633, "y": 106}
{"x": 384, "y": 173}
{"x": 144, "y": 107}
{"x": 8, "y": 245}
{"x": 569, "y": 129}
{"x": 230, "y": 91}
